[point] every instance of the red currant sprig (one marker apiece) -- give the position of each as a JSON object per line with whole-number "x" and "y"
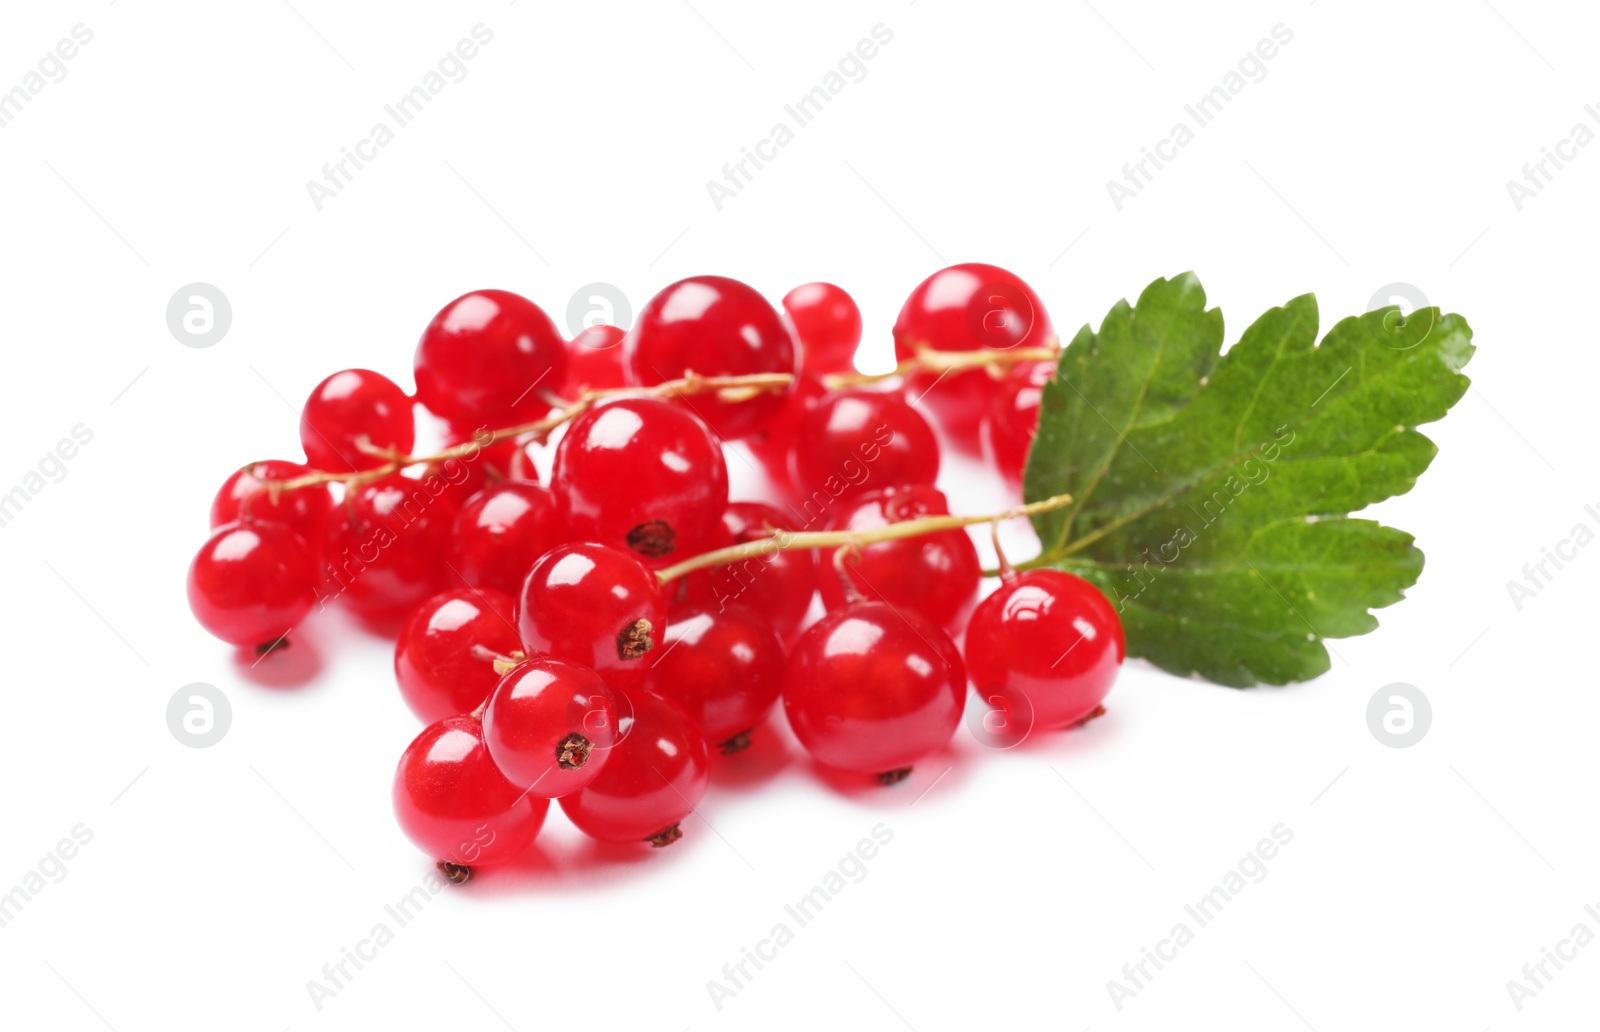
{"x": 596, "y": 636}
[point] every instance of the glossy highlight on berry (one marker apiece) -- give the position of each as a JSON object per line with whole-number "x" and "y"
{"x": 862, "y": 440}
{"x": 484, "y": 358}
{"x": 550, "y": 726}
{"x": 873, "y": 689}
{"x": 935, "y": 574}
{"x": 501, "y": 531}
{"x": 444, "y": 658}
{"x": 593, "y": 605}
{"x": 354, "y": 420}
{"x": 1048, "y": 644}
{"x": 251, "y": 583}
{"x": 652, "y": 779}
{"x": 967, "y": 307}
{"x": 724, "y": 666}
{"x": 827, "y": 324}
{"x": 640, "y": 474}
{"x": 387, "y": 543}
{"x": 714, "y": 326}
{"x": 455, "y": 805}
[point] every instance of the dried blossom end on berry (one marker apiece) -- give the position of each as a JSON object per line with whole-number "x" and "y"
{"x": 635, "y": 640}
{"x": 573, "y": 751}
{"x": 665, "y": 837}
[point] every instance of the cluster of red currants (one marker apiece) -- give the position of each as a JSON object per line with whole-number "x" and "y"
{"x": 593, "y": 640}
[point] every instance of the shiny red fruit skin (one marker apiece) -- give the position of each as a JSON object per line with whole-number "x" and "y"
{"x": 724, "y": 666}
{"x": 502, "y": 461}
{"x": 531, "y": 714}
{"x": 873, "y": 689}
{"x": 348, "y": 406}
{"x": 771, "y": 444}
{"x": 714, "y": 326}
{"x": 651, "y": 780}
{"x": 455, "y": 805}
{"x": 965, "y": 308}
{"x": 597, "y": 360}
{"x": 695, "y": 586}
{"x": 387, "y": 544}
{"x": 246, "y": 497}
{"x": 487, "y": 358}
{"x": 859, "y": 440}
{"x": 1048, "y": 644}
{"x": 501, "y": 532}
{"x": 778, "y": 587}
{"x": 642, "y": 474}
{"x": 251, "y": 582}
{"x": 583, "y": 603}
{"x": 827, "y": 324}
{"x": 1014, "y": 418}
{"x": 934, "y": 574}
{"x": 444, "y": 656}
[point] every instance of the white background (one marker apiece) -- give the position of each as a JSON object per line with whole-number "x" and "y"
{"x": 220, "y": 880}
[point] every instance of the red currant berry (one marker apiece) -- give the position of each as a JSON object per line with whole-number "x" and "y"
{"x": 596, "y": 360}
{"x": 724, "y": 666}
{"x": 967, "y": 308}
{"x": 348, "y": 413}
{"x": 252, "y": 582}
{"x": 486, "y": 359}
{"x": 874, "y": 689}
{"x": 779, "y": 586}
{"x": 595, "y": 606}
{"x": 1014, "y": 418}
{"x": 501, "y": 531}
{"x": 499, "y": 462}
{"x": 771, "y": 444}
{"x": 859, "y": 437}
{"x": 934, "y": 574}
{"x": 455, "y": 805}
{"x": 247, "y": 497}
{"x": 827, "y": 324}
{"x": 388, "y": 542}
{"x": 714, "y": 326}
{"x": 696, "y": 585}
{"x": 444, "y": 657}
{"x": 550, "y": 726}
{"x": 1046, "y": 643}
{"x": 652, "y": 777}
{"x": 640, "y": 473}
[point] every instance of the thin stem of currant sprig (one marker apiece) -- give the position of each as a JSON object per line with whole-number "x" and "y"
{"x": 727, "y": 388}
{"x": 930, "y": 361}
{"x": 785, "y": 541}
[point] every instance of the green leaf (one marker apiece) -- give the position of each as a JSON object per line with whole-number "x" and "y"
{"x": 1212, "y": 492}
